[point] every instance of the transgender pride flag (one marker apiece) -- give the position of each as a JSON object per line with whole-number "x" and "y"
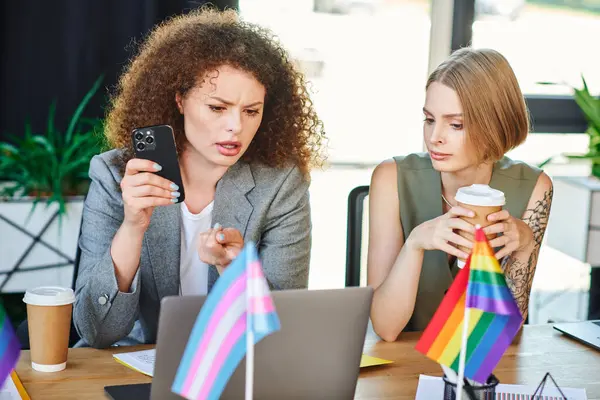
{"x": 237, "y": 314}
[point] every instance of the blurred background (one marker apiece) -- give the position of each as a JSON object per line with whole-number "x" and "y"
{"x": 367, "y": 62}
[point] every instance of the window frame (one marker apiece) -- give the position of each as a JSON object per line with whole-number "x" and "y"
{"x": 548, "y": 113}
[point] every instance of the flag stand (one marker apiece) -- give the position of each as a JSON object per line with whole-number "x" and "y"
{"x": 487, "y": 391}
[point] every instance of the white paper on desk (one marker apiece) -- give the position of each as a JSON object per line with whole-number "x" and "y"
{"x": 433, "y": 388}
{"x": 141, "y": 361}
{"x": 9, "y": 390}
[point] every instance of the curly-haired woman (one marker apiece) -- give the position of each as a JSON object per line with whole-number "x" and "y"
{"x": 246, "y": 134}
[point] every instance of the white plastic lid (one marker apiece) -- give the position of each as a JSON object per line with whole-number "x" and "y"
{"x": 480, "y": 195}
{"x": 49, "y": 296}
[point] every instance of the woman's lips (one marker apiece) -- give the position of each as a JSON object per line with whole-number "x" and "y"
{"x": 229, "y": 149}
{"x": 439, "y": 156}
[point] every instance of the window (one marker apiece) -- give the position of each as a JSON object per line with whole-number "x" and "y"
{"x": 549, "y": 41}
{"x": 367, "y": 62}
{"x": 543, "y": 42}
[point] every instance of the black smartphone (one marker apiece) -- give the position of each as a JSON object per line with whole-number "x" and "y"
{"x": 157, "y": 143}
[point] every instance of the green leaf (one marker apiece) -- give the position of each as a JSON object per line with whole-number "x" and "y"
{"x": 545, "y": 162}
{"x": 594, "y": 140}
{"x": 45, "y": 143}
{"x": 77, "y": 114}
{"x": 91, "y": 122}
{"x": 585, "y": 86}
{"x": 33, "y": 207}
{"x": 51, "y": 129}
{"x": 51, "y": 165}
{"x": 589, "y": 105}
{"x": 28, "y": 131}
{"x": 595, "y": 158}
{"x": 7, "y": 149}
{"x": 593, "y": 131}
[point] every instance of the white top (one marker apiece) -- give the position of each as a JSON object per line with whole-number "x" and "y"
{"x": 49, "y": 296}
{"x": 193, "y": 272}
{"x": 480, "y": 195}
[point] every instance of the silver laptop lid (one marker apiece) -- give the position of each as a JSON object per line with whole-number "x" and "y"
{"x": 587, "y": 332}
{"x": 315, "y": 355}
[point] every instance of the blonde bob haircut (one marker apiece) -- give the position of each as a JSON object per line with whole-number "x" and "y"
{"x": 495, "y": 117}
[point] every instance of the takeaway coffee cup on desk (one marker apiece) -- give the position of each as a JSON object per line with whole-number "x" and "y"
{"x": 49, "y": 312}
{"x": 483, "y": 201}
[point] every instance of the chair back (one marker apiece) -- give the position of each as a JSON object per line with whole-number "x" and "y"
{"x": 354, "y": 235}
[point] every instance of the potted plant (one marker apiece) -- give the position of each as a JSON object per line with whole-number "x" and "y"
{"x": 574, "y": 226}
{"x": 590, "y": 107}
{"x": 44, "y": 179}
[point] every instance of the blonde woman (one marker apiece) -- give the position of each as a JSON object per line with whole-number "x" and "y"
{"x": 474, "y": 113}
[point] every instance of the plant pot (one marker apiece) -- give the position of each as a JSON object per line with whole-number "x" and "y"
{"x": 37, "y": 247}
{"x": 574, "y": 225}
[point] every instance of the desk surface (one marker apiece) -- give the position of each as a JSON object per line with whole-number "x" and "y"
{"x": 537, "y": 350}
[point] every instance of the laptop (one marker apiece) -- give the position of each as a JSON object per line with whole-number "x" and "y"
{"x": 587, "y": 332}
{"x": 316, "y": 354}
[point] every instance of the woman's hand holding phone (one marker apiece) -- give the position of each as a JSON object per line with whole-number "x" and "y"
{"x": 143, "y": 190}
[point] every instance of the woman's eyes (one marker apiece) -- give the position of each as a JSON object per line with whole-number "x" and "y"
{"x": 219, "y": 109}
{"x": 216, "y": 108}
{"x": 457, "y": 127}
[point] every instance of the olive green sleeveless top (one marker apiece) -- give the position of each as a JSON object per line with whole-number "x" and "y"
{"x": 420, "y": 197}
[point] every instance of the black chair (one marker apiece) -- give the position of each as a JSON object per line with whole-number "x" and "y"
{"x": 356, "y": 200}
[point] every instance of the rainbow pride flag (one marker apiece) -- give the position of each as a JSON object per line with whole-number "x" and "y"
{"x": 10, "y": 348}
{"x": 494, "y": 318}
{"x": 240, "y": 303}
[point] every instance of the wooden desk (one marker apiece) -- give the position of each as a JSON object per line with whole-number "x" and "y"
{"x": 539, "y": 349}
{"x": 536, "y": 350}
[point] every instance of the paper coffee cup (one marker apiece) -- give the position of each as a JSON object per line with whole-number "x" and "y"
{"x": 49, "y": 312}
{"x": 483, "y": 201}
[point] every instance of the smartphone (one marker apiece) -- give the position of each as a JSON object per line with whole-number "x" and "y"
{"x": 157, "y": 143}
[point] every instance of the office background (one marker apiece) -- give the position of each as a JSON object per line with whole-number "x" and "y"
{"x": 367, "y": 60}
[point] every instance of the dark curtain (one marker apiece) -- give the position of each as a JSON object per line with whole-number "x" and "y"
{"x": 55, "y": 50}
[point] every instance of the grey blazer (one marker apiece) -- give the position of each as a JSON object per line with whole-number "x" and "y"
{"x": 269, "y": 206}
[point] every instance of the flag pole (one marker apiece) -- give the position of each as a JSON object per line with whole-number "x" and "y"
{"x": 465, "y": 334}
{"x": 463, "y": 354}
{"x": 249, "y": 336}
{"x": 249, "y": 364}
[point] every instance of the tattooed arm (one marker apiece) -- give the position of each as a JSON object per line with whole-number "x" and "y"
{"x": 519, "y": 266}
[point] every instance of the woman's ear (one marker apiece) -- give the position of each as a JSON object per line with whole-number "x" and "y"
{"x": 179, "y": 101}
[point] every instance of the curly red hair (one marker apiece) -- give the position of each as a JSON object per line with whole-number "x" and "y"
{"x": 181, "y": 51}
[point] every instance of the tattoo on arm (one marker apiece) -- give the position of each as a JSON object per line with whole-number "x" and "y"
{"x": 519, "y": 274}
{"x": 518, "y": 281}
{"x": 537, "y": 218}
